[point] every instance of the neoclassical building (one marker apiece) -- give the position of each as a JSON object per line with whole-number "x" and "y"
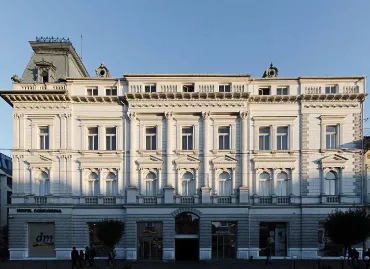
{"x": 218, "y": 166}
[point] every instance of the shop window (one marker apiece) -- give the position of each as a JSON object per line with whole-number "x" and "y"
{"x": 94, "y": 241}
{"x": 273, "y": 236}
{"x": 187, "y": 223}
{"x": 224, "y": 235}
{"x": 150, "y": 240}
{"x": 41, "y": 239}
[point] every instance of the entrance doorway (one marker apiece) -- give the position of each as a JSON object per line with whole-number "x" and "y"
{"x": 187, "y": 237}
{"x": 187, "y": 249}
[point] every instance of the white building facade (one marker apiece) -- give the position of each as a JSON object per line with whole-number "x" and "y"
{"x": 197, "y": 166}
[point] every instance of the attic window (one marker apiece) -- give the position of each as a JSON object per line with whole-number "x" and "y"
{"x": 188, "y": 88}
{"x": 45, "y": 76}
{"x": 264, "y": 91}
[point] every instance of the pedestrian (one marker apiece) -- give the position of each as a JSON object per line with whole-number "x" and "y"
{"x": 112, "y": 257}
{"x": 355, "y": 257}
{"x": 268, "y": 256}
{"x": 92, "y": 256}
{"x": 74, "y": 257}
{"x": 81, "y": 257}
{"x": 87, "y": 255}
{"x": 350, "y": 255}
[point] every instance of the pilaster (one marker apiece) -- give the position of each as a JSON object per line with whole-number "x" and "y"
{"x": 170, "y": 177}
{"x": 244, "y": 137}
{"x": 133, "y": 134}
{"x": 206, "y": 150}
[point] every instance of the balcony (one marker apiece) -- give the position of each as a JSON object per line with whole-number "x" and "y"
{"x": 40, "y": 200}
{"x": 187, "y": 200}
{"x": 149, "y": 200}
{"x": 265, "y": 200}
{"x": 283, "y": 200}
{"x": 91, "y": 200}
{"x": 224, "y": 200}
{"x": 332, "y": 199}
{"x": 109, "y": 200}
{"x": 40, "y": 87}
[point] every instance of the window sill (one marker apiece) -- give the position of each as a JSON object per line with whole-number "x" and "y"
{"x": 289, "y": 151}
{"x": 187, "y": 152}
{"x": 339, "y": 150}
{"x": 145, "y": 152}
{"x": 223, "y": 151}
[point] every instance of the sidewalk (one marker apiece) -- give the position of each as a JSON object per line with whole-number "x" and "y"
{"x": 102, "y": 264}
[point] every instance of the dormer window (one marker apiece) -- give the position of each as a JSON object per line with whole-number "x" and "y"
{"x": 224, "y": 88}
{"x": 331, "y": 89}
{"x": 188, "y": 88}
{"x": 45, "y": 71}
{"x": 264, "y": 91}
{"x": 150, "y": 88}
{"x": 45, "y": 76}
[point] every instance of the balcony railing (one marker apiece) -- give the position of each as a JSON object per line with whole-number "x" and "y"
{"x": 187, "y": 200}
{"x": 40, "y": 200}
{"x": 224, "y": 200}
{"x": 41, "y": 87}
{"x": 283, "y": 200}
{"x": 91, "y": 200}
{"x": 265, "y": 200}
{"x": 150, "y": 200}
{"x": 333, "y": 199}
{"x": 109, "y": 200}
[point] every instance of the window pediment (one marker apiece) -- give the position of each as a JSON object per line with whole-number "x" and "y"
{"x": 149, "y": 162}
{"x": 187, "y": 162}
{"x": 224, "y": 162}
{"x": 333, "y": 161}
{"x": 39, "y": 161}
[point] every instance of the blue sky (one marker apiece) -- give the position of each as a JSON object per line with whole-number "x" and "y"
{"x": 301, "y": 38}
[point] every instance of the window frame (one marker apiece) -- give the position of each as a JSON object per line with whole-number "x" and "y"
{"x": 152, "y": 182}
{"x": 331, "y": 87}
{"x": 219, "y": 135}
{"x": 282, "y": 89}
{"x": 268, "y": 180}
{"x": 226, "y": 184}
{"x": 155, "y": 135}
{"x": 93, "y": 138}
{"x": 287, "y": 137}
{"x": 112, "y": 137}
{"x": 329, "y": 182}
{"x": 262, "y": 89}
{"x": 190, "y": 185}
{"x": 44, "y": 138}
{"x": 224, "y": 87}
{"x": 111, "y": 92}
{"x": 262, "y": 135}
{"x": 94, "y": 91}
{"x": 330, "y": 134}
{"x": 192, "y": 135}
{"x": 152, "y": 88}
{"x": 188, "y": 87}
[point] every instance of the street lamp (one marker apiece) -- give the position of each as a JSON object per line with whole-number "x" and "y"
{"x": 342, "y": 261}
{"x": 294, "y": 258}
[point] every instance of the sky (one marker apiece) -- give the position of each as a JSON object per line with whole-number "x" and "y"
{"x": 301, "y": 38}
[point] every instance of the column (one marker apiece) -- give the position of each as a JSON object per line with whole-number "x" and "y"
{"x": 16, "y": 133}
{"x": 244, "y": 137}
{"x": 160, "y": 181}
{"x": 273, "y": 145}
{"x": 170, "y": 177}
{"x": 101, "y": 182}
{"x": 69, "y": 131}
{"x": 133, "y": 182}
{"x": 119, "y": 182}
{"x": 206, "y": 151}
{"x": 233, "y": 181}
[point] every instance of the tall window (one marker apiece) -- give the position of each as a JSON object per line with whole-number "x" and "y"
{"x": 111, "y": 184}
{"x": 224, "y": 88}
{"x": 44, "y": 187}
{"x": 331, "y": 183}
{"x": 151, "y": 138}
{"x": 188, "y": 186}
{"x": 44, "y": 137}
{"x": 110, "y": 139}
{"x": 224, "y": 137}
{"x": 187, "y": 138}
{"x": 282, "y": 91}
{"x": 111, "y": 92}
{"x": 330, "y": 89}
{"x": 93, "y": 138}
{"x": 150, "y": 185}
{"x": 331, "y": 137}
{"x": 264, "y": 138}
{"x": 282, "y": 138}
{"x": 45, "y": 76}
{"x": 93, "y": 185}
{"x": 150, "y": 88}
{"x": 224, "y": 184}
{"x": 282, "y": 184}
{"x": 92, "y": 92}
{"x": 264, "y": 186}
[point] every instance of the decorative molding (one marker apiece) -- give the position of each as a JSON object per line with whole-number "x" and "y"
{"x": 131, "y": 116}
{"x": 243, "y": 114}
{"x": 331, "y": 105}
{"x": 206, "y": 115}
{"x": 174, "y": 104}
{"x": 169, "y": 115}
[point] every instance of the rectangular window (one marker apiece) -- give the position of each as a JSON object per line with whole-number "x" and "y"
{"x": 44, "y": 137}
{"x": 330, "y": 89}
{"x": 188, "y": 88}
{"x": 331, "y": 137}
{"x": 187, "y": 138}
{"x": 92, "y": 92}
{"x": 264, "y": 138}
{"x": 223, "y": 138}
{"x": 282, "y": 138}
{"x": 151, "y": 138}
{"x": 224, "y": 88}
{"x": 111, "y": 92}
{"x": 224, "y": 240}
{"x": 150, "y": 188}
{"x": 93, "y": 138}
{"x": 282, "y": 91}
{"x": 264, "y": 91}
{"x": 150, "y": 88}
{"x": 111, "y": 138}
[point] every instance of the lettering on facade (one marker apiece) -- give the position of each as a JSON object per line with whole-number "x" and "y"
{"x": 39, "y": 210}
{"x": 43, "y": 240}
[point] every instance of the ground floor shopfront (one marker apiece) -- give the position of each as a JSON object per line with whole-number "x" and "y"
{"x": 173, "y": 233}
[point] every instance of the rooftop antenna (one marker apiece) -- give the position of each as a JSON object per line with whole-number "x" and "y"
{"x": 81, "y": 48}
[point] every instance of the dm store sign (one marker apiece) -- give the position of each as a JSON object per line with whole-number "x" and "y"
{"x": 41, "y": 239}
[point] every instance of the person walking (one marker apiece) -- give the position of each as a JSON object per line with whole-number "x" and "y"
{"x": 81, "y": 257}
{"x": 74, "y": 257}
{"x": 268, "y": 256}
{"x": 87, "y": 256}
{"x": 92, "y": 255}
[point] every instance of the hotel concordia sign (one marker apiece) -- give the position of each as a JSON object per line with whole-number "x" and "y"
{"x": 39, "y": 210}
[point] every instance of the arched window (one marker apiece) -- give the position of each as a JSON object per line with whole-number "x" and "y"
{"x": 150, "y": 184}
{"x": 93, "y": 184}
{"x": 331, "y": 182}
{"x": 188, "y": 185}
{"x": 111, "y": 184}
{"x": 44, "y": 184}
{"x": 187, "y": 223}
{"x": 264, "y": 186}
{"x": 224, "y": 184}
{"x": 281, "y": 184}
